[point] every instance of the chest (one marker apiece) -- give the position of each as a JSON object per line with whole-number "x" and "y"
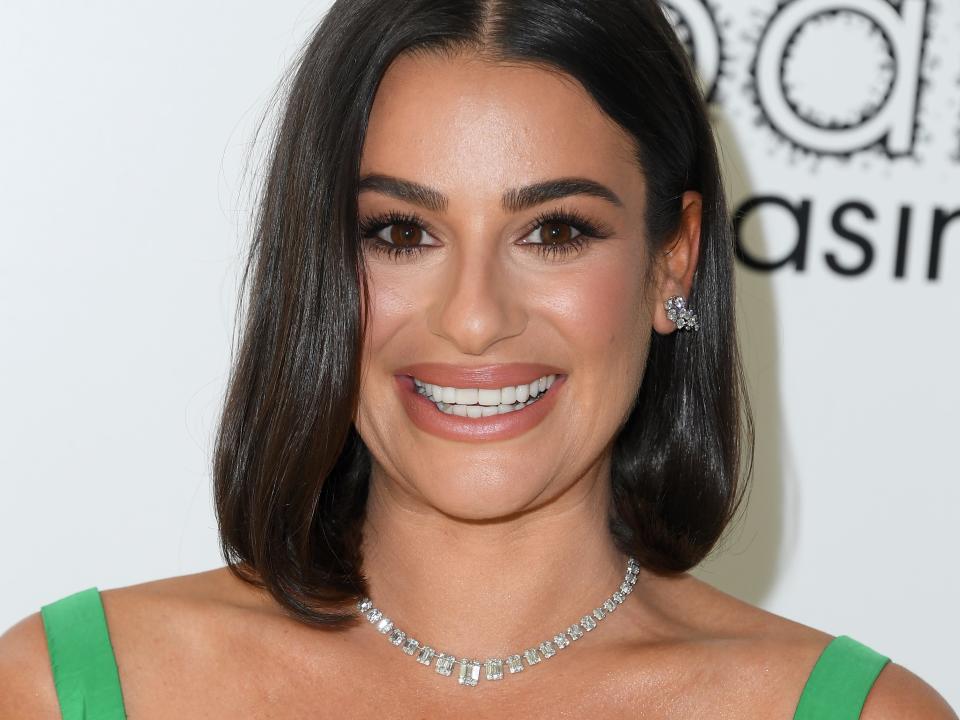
{"x": 348, "y": 685}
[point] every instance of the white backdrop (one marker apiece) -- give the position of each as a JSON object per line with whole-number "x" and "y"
{"x": 124, "y": 133}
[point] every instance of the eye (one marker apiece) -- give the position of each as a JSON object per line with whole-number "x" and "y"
{"x": 396, "y": 235}
{"x": 560, "y": 233}
{"x": 554, "y": 232}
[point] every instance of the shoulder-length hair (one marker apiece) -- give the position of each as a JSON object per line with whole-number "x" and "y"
{"x": 290, "y": 471}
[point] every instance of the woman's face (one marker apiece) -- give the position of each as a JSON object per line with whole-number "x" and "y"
{"x": 494, "y": 296}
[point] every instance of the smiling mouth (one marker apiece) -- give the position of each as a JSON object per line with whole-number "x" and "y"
{"x": 484, "y": 402}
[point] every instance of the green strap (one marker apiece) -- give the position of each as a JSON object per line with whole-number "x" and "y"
{"x": 81, "y": 657}
{"x": 840, "y": 681}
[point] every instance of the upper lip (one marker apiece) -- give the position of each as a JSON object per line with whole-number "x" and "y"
{"x": 485, "y": 377}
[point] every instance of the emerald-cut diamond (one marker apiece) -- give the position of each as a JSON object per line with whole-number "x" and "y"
{"x": 561, "y": 641}
{"x": 513, "y": 664}
{"x": 410, "y": 646}
{"x": 385, "y": 625}
{"x": 365, "y": 605}
{"x": 609, "y": 605}
{"x": 531, "y": 656}
{"x": 575, "y": 632}
{"x": 494, "y": 668}
{"x": 374, "y": 615}
{"x": 397, "y": 637}
{"x": 617, "y": 597}
{"x": 625, "y": 588}
{"x": 425, "y": 655}
{"x": 588, "y": 623}
{"x": 599, "y": 613}
{"x": 444, "y": 664}
{"x": 469, "y": 672}
{"x": 547, "y": 649}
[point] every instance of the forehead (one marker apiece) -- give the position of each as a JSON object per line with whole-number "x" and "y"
{"x": 473, "y": 125}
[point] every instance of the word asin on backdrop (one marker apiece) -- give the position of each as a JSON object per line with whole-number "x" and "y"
{"x": 799, "y": 213}
{"x": 842, "y": 84}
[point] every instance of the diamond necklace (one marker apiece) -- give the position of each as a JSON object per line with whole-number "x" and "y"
{"x": 470, "y": 669}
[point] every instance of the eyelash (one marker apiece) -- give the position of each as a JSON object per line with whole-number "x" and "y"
{"x": 589, "y": 230}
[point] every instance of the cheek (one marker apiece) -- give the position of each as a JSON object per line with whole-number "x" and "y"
{"x": 606, "y": 321}
{"x": 391, "y": 305}
{"x": 603, "y": 309}
{"x": 388, "y": 311}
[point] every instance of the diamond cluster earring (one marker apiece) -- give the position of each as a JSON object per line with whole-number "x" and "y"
{"x": 679, "y": 313}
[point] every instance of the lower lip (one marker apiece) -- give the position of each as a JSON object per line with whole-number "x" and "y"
{"x": 426, "y": 416}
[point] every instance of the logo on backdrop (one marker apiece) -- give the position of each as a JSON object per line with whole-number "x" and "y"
{"x": 868, "y": 103}
{"x": 871, "y": 99}
{"x": 696, "y": 25}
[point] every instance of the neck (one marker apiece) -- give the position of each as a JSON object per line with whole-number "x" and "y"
{"x": 489, "y": 588}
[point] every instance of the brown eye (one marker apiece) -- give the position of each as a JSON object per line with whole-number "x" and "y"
{"x": 405, "y": 234}
{"x": 555, "y": 232}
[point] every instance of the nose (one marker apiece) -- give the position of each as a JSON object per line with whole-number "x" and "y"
{"x": 479, "y": 302}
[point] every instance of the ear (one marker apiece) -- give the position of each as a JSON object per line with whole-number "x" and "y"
{"x": 677, "y": 262}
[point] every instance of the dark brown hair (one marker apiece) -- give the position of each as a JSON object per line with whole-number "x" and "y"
{"x": 290, "y": 471}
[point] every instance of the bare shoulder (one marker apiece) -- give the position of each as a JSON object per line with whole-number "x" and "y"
{"x": 781, "y": 653}
{"x": 731, "y": 658}
{"x": 144, "y": 620}
{"x": 898, "y": 694}
{"x": 182, "y": 612}
{"x": 700, "y": 610}
{"x": 182, "y": 598}
{"x": 190, "y": 632}
{"x": 26, "y": 682}
{"x": 725, "y": 657}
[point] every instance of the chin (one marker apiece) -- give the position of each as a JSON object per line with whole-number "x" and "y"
{"x": 484, "y": 496}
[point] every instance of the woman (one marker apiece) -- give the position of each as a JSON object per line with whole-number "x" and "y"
{"x": 488, "y": 394}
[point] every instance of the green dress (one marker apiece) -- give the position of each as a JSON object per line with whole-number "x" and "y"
{"x": 88, "y": 685}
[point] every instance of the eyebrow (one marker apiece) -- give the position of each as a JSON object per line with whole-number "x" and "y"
{"x": 513, "y": 200}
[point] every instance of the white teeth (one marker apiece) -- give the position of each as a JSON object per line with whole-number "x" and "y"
{"x": 484, "y": 402}
{"x": 467, "y": 396}
{"x": 523, "y": 392}
{"x": 488, "y": 397}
